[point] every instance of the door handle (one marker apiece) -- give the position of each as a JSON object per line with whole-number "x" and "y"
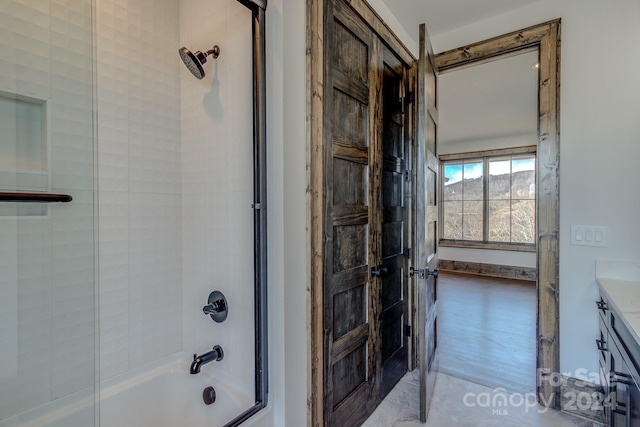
{"x": 414, "y": 271}
{"x": 433, "y": 273}
{"x": 380, "y": 271}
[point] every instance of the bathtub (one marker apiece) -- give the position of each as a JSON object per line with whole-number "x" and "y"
{"x": 161, "y": 394}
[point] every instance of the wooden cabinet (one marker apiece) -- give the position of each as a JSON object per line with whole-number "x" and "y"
{"x": 619, "y": 354}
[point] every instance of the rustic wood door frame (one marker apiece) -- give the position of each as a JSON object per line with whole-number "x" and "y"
{"x": 545, "y": 38}
{"x": 317, "y": 141}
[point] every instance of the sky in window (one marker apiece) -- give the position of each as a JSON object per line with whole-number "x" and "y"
{"x": 474, "y": 170}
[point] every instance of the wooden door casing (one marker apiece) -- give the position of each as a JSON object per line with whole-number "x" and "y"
{"x": 546, "y": 38}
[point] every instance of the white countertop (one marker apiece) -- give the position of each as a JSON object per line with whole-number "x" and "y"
{"x": 619, "y": 281}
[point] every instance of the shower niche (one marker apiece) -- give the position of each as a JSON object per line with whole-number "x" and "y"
{"x": 24, "y": 152}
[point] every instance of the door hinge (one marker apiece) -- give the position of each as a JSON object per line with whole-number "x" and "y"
{"x": 407, "y": 253}
{"x": 407, "y": 330}
{"x": 408, "y": 98}
{"x": 407, "y": 175}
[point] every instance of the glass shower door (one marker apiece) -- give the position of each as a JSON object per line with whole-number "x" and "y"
{"x": 48, "y": 354}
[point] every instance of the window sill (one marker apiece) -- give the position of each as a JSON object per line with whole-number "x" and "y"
{"x": 480, "y": 245}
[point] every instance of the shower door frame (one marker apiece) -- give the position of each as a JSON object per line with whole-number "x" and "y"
{"x": 258, "y": 8}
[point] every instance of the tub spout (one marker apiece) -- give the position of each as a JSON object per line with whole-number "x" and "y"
{"x": 215, "y": 354}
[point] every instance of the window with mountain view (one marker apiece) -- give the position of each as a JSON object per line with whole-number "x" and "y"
{"x": 489, "y": 199}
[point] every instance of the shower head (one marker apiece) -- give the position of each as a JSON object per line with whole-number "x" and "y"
{"x": 194, "y": 61}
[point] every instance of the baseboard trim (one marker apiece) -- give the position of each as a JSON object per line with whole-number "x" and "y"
{"x": 493, "y": 270}
{"x": 583, "y": 399}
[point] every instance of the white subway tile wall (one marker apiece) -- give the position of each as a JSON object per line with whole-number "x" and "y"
{"x": 217, "y": 184}
{"x": 139, "y": 167}
{"x": 47, "y": 268}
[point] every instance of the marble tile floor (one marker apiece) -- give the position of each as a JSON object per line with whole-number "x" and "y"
{"x": 460, "y": 403}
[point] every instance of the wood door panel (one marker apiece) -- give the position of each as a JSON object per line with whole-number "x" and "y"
{"x": 357, "y": 175}
{"x": 349, "y": 310}
{"x": 393, "y": 317}
{"x": 392, "y": 240}
{"x": 349, "y": 373}
{"x": 350, "y": 119}
{"x": 349, "y": 332}
{"x": 350, "y": 247}
{"x": 351, "y": 52}
{"x": 364, "y": 188}
{"x": 392, "y": 294}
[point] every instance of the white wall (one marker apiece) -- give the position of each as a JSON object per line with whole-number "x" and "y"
{"x": 139, "y": 182}
{"x": 599, "y": 150}
{"x": 297, "y": 312}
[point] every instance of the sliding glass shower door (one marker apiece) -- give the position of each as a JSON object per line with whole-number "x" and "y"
{"x": 47, "y": 211}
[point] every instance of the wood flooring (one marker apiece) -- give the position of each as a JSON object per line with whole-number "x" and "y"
{"x": 486, "y": 330}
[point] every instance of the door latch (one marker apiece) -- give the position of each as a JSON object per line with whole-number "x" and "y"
{"x": 418, "y": 271}
{"x": 423, "y": 272}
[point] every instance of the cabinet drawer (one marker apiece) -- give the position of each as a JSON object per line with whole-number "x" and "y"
{"x": 627, "y": 343}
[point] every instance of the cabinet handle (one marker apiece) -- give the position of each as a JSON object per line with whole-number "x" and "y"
{"x": 602, "y": 345}
{"x": 602, "y": 305}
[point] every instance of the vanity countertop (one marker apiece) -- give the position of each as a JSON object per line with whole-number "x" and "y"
{"x": 619, "y": 281}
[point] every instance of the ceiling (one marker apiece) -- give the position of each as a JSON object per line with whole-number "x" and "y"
{"x": 445, "y": 15}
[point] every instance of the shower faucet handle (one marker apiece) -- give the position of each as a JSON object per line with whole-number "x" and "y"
{"x": 217, "y": 307}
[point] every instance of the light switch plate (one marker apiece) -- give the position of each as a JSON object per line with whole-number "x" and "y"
{"x": 589, "y": 235}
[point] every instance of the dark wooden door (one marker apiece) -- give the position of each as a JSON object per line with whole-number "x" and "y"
{"x": 426, "y": 220}
{"x": 350, "y": 310}
{"x": 394, "y": 319}
{"x": 365, "y": 278}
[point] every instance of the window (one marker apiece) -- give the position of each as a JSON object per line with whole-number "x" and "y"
{"x": 488, "y": 199}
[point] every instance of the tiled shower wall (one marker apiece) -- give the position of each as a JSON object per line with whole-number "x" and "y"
{"x": 175, "y": 183}
{"x": 217, "y": 186}
{"x": 139, "y": 163}
{"x": 47, "y": 328}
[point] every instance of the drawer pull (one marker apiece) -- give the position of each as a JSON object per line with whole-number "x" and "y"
{"x": 602, "y": 345}
{"x": 602, "y": 305}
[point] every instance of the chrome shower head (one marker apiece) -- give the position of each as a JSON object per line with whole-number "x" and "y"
{"x": 194, "y": 61}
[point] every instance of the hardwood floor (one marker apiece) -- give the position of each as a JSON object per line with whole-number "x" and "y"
{"x": 486, "y": 330}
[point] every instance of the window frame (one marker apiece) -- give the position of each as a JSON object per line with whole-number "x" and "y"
{"x": 484, "y": 155}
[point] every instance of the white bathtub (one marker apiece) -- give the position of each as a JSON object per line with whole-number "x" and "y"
{"x": 162, "y": 394}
